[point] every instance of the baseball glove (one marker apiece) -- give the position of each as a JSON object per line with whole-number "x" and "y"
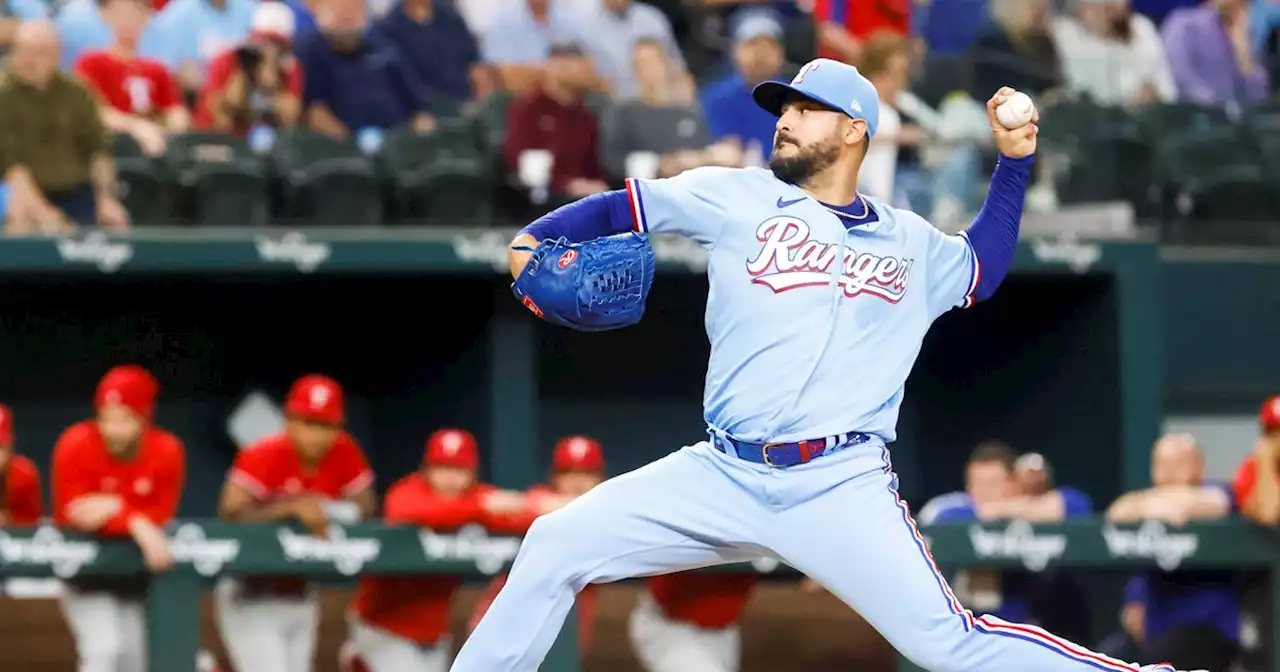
{"x": 598, "y": 285}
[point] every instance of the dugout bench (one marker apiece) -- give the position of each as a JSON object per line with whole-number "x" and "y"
{"x": 204, "y": 550}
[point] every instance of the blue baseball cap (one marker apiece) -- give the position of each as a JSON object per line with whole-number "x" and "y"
{"x": 837, "y": 85}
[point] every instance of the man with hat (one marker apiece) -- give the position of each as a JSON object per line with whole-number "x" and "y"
{"x": 731, "y": 112}
{"x": 255, "y": 83}
{"x": 117, "y": 475}
{"x": 21, "y": 502}
{"x": 401, "y": 624}
{"x": 577, "y": 466}
{"x": 313, "y": 473}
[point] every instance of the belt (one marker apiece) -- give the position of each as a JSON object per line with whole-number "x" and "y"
{"x": 787, "y": 454}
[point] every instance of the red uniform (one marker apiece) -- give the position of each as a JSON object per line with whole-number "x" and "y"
{"x": 586, "y": 602}
{"x": 711, "y": 601}
{"x": 417, "y": 608}
{"x": 862, "y": 18}
{"x": 1247, "y": 475}
{"x": 272, "y": 469}
{"x": 138, "y": 86}
{"x": 149, "y": 482}
{"x": 21, "y": 502}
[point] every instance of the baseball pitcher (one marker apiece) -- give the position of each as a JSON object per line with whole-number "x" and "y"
{"x": 117, "y": 475}
{"x": 314, "y": 474}
{"x": 819, "y": 300}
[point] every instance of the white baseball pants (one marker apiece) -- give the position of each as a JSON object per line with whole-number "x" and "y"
{"x": 664, "y": 645}
{"x": 264, "y": 634}
{"x": 110, "y": 632}
{"x": 382, "y": 651}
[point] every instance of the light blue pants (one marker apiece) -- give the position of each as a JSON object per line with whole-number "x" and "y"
{"x": 838, "y": 520}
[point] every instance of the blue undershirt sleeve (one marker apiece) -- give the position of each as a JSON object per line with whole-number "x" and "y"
{"x": 596, "y": 216}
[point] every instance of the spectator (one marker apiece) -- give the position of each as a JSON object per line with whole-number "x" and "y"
{"x": 554, "y": 118}
{"x": 21, "y": 503}
{"x": 139, "y": 96}
{"x": 354, "y": 78}
{"x": 731, "y": 112}
{"x": 994, "y": 490}
{"x": 1212, "y": 54}
{"x": 610, "y": 34}
{"x": 518, "y": 43}
{"x": 81, "y": 28}
{"x": 949, "y": 27}
{"x": 54, "y": 150}
{"x": 1257, "y": 482}
{"x": 13, "y": 13}
{"x": 1016, "y": 50}
{"x": 304, "y": 17}
{"x": 440, "y": 50}
{"x": 844, "y": 26}
{"x": 194, "y": 31}
{"x": 663, "y": 121}
{"x": 480, "y": 15}
{"x": 257, "y": 83}
{"x": 1189, "y": 618}
{"x": 1112, "y": 55}
{"x": 886, "y": 61}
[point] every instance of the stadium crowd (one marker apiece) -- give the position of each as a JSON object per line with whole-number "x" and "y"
{"x": 583, "y": 92}
{"x": 119, "y": 475}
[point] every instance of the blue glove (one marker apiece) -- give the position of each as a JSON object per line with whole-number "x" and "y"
{"x": 598, "y": 285}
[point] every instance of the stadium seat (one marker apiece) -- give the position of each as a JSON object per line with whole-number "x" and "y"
{"x": 1112, "y": 161}
{"x": 142, "y": 190}
{"x": 441, "y": 175}
{"x": 1178, "y": 118}
{"x": 327, "y": 182}
{"x": 219, "y": 180}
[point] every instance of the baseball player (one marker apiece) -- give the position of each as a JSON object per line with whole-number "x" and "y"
{"x": 1257, "y": 480}
{"x": 819, "y": 300}
{"x": 577, "y": 466}
{"x": 117, "y": 475}
{"x": 401, "y": 624}
{"x": 313, "y": 473}
{"x": 21, "y": 502}
{"x": 690, "y": 621}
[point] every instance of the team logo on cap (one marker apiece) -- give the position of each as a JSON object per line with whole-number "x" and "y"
{"x": 319, "y": 396}
{"x": 804, "y": 72}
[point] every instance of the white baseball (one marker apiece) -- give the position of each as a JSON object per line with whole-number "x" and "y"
{"x": 1016, "y": 111}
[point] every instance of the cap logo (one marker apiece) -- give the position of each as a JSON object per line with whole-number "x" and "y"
{"x": 452, "y": 444}
{"x": 856, "y": 106}
{"x": 804, "y": 72}
{"x": 112, "y": 397}
{"x": 319, "y": 396}
{"x": 578, "y": 449}
{"x": 1275, "y": 407}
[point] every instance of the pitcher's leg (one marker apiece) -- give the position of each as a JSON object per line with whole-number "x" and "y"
{"x": 859, "y": 541}
{"x": 681, "y": 512}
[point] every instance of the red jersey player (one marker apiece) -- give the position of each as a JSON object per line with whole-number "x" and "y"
{"x": 577, "y": 465}
{"x": 312, "y": 473}
{"x": 117, "y": 475}
{"x": 402, "y": 623}
{"x": 21, "y": 502}
{"x": 690, "y": 621}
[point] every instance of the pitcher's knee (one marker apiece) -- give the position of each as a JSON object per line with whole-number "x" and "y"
{"x": 558, "y": 549}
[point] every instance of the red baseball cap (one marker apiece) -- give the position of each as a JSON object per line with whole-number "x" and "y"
{"x": 130, "y": 386}
{"x": 452, "y": 448}
{"x": 578, "y": 453}
{"x": 317, "y": 398}
{"x": 6, "y": 426}
{"x": 1269, "y": 416}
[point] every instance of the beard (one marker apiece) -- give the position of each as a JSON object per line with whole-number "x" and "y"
{"x": 808, "y": 161}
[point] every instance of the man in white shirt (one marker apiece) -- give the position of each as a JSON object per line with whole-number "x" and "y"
{"x": 1113, "y": 55}
{"x": 886, "y": 61}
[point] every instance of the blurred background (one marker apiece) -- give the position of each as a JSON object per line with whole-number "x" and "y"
{"x": 234, "y": 193}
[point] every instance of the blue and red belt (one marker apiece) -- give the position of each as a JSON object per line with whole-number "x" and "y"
{"x": 786, "y": 454}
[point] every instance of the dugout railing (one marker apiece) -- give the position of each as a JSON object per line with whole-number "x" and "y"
{"x": 204, "y": 550}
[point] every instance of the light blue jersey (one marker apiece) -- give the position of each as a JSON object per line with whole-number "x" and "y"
{"x": 797, "y": 353}
{"x": 815, "y": 316}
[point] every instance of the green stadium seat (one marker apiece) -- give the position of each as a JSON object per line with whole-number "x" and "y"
{"x": 141, "y": 190}
{"x": 219, "y": 180}
{"x": 1178, "y": 118}
{"x": 327, "y": 182}
{"x": 441, "y": 175}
